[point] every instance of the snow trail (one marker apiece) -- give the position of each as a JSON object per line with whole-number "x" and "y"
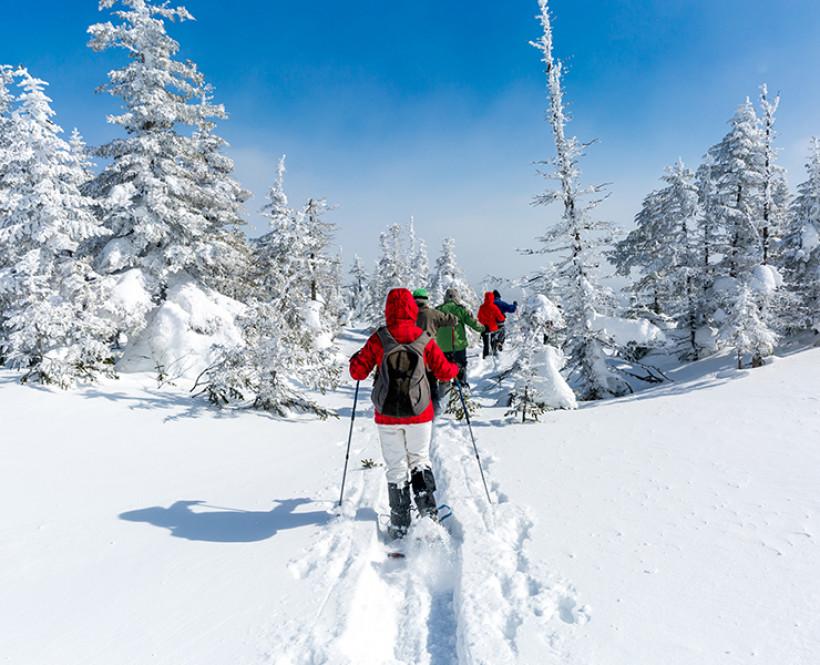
{"x": 471, "y": 597}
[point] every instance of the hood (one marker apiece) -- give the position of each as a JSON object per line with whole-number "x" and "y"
{"x": 489, "y": 298}
{"x": 452, "y": 295}
{"x": 400, "y": 308}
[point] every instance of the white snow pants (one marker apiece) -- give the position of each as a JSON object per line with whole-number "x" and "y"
{"x": 405, "y": 448}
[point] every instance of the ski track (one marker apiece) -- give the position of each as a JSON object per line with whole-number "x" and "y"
{"x": 471, "y": 598}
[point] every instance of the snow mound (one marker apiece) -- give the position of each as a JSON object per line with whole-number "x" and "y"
{"x": 765, "y": 280}
{"x": 548, "y": 382}
{"x": 181, "y": 335}
{"x": 542, "y": 310}
{"x": 624, "y": 332}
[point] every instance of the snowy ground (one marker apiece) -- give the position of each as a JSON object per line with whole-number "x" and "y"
{"x": 677, "y": 526}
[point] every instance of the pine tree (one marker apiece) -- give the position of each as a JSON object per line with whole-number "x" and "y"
{"x": 449, "y": 274}
{"x": 575, "y": 241}
{"x": 166, "y": 196}
{"x": 50, "y": 298}
{"x": 288, "y": 329}
{"x": 536, "y": 372}
{"x": 393, "y": 267}
{"x": 418, "y": 276}
{"x": 801, "y": 247}
{"x": 664, "y": 249}
{"x": 359, "y": 293}
{"x": 775, "y": 189}
{"x": 271, "y": 370}
{"x": 740, "y": 176}
{"x": 294, "y": 265}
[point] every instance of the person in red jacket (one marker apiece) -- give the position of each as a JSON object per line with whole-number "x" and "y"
{"x": 405, "y": 441}
{"x": 489, "y": 316}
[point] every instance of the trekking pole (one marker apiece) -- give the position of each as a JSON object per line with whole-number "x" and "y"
{"x": 475, "y": 448}
{"x": 349, "y": 439}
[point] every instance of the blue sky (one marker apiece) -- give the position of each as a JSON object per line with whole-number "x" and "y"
{"x": 435, "y": 109}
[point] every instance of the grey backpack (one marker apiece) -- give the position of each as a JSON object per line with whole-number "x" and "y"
{"x": 401, "y": 389}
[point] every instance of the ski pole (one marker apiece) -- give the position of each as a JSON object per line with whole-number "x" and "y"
{"x": 475, "y": 448}
{"x": 349, "y": 439}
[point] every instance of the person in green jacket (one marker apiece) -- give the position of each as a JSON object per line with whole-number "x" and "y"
{"x": 453, "y": 340}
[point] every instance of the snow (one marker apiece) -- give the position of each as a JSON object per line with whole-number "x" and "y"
{"x": 629, "y": 331}
{"x": 183, "y": 332}
{"x": 765, "y": 280}
{"x": 809, "y": 240}
{"x": 678, "y": 525}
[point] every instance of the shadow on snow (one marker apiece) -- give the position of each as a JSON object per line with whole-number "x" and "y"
{"x": 228, "y": 525}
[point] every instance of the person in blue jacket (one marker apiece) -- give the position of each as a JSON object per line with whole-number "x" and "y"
{"x": 506, "y": 308}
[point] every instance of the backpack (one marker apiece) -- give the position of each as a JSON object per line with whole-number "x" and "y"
{"x": 401, "y": 389}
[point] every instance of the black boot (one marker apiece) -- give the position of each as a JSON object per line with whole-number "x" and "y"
{"x": 399, "y": 498}
{"x": 423, "y": 487}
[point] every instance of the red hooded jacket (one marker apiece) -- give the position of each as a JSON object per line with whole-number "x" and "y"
{"x": 400, "y": 312}
{"x": 489, "y": 314}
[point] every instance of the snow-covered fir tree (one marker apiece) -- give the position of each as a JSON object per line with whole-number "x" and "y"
{"x": 288, "y": 331}
{"x": 801, "y": 247}
{"x": 447, "y": 273}
{"x": 418, "y": 276}
{"x": 745, "y": 327}
{"x": 536, "y": 373}
{"x": 337, "y": 305}
{"x": 393, "y": 265}
{"x": 293, "y": 261}
{"x": 272, "y": 370}
{"x": 739, "y": 176}
{"x": 401, "y": 252}
{"x": 6, "y": 125}
{"x": 775, "y": 193}
{"x": 83, "y": 156}
{"x": 664, "y": 249}
{"x": 220, "y": 198}
{"x": 738, "y": 171}
{"x": 359, "y": 292}
{"x": 166, "y": 195}
{"x": 49, "y": 297}
{"x": 575, "y": 242}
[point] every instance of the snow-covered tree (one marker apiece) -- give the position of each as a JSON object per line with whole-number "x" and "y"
{"x": 393, "y": 269}
{"x": 336, "y": 301}
{"x": 738, "y": 173}
{"x": 745, "y": 327}
{"x": 536, "y": 372}
{"x": 801, "y": 246}
{"x": 272, "y": 370}
{"x": 418, "y": 276}
{"x": 84, "y": 157}
{"x": 449, "y": 274}
{"x": 7, "y": 124}
{"x": 49, "y": 298}
{"x": 166, "y": 196}
{"x": 293, "y": 261}
{"x": 741, "y": 177}
{"x": 288, "y": 331}
{"x": 575, "y": 242}
{"x": 775, "y": 188}
{"x": 359, "y": 293}
{"x": 664, "y": 249}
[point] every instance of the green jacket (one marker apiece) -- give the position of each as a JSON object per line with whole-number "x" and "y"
{"x": 455, "y": 338}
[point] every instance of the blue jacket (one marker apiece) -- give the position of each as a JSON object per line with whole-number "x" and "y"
{"x": 505, "y": 307}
